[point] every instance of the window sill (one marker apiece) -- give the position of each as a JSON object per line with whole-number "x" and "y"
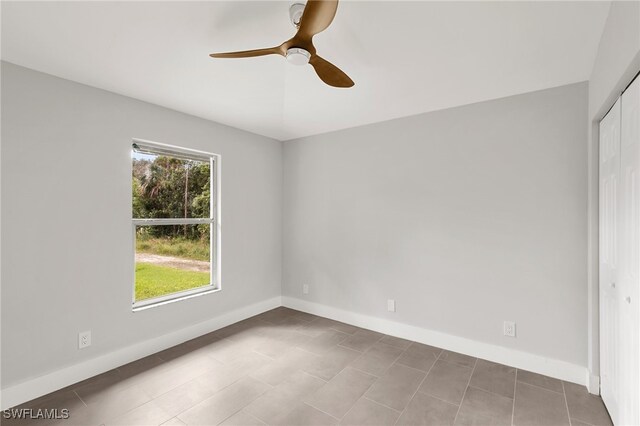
{"x": 160, "y": 301}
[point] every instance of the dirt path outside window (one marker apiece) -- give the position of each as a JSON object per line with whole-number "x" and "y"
{"x": 173, "y": 262}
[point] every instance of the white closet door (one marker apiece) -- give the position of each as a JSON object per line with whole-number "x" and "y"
{"x": 609, "y": 287}
{"x": 629, "y": 257}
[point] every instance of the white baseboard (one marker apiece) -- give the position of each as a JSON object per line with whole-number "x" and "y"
{"x": 538, "y": 364}
{"x": 42, "y": 385}
{"x": 593, "y": 383}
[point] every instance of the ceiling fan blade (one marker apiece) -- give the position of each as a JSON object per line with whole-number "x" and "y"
{"x": 329, "y": 73}
{"x": 249, "y": 53}
{"x": 317, "y": 16}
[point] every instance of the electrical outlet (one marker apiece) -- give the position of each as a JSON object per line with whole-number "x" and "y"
{"x": 510, "y": 328}
{"x": 84, "y": 339}
{"x": 391, "y": 305}
{"x": 305, "y": 288}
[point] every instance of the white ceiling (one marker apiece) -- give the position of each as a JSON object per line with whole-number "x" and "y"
{"x": 405, "y": 57}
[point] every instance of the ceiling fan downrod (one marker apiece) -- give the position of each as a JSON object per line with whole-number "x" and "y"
{"x": 295, "y": 13}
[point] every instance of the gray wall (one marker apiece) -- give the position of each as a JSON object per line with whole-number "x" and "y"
{"x": 66, "y": 214}
{"x": 466, "y": 217}
{"x": 617, "y": 62}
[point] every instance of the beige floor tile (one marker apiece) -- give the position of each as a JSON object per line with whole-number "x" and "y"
{"x": 191, "y": 393}
{"x": 149, "y": 414}
{"x": 285, "y": 316}
{"x": 203, "y": 340}
{"x": 480, "y": 407}
{"x": 304, "y": 316}
{"x": 366, "y": 412}
{"x": 254, "y": 323}
{"x": 247, "y": 363}
{"x": 174, "y": 422}
{"x": 331, "y": 363}
{"x": 197, "y": 358}
{"x": 361, "y": 340}
{"x": 141, "y": 366}
{"x": 91, "y": 389}
{"x": 242, "y": 418}
{"x": 535, "y": 406}
{"x": 576, "y": 422}
{"x": 227, "y": 350}
{"x": 83, "y": 416}
{"x": 303, "y": 414}
{"x": 246, "y": 339}
{"x": 396, "y": 387}
{"x": 396, "y": 341}
{"x": 64, "y": 398}
{"x": 323, "y": 342}
{"x": 427, "y": 410}
{"x": 283, "y": 368}
{"x": 293, "y": 322}
{"x": 273, "y": 348}
{"x": 345, "y": 328}
{"x": 276, "y": 315}
{"x": 175, "y": 352}
{"x": 162, "y": 382}
{"x": 492, "y": 377}
{"x": 377, "y": 359}
{"x": 225, "y": 374}
{"x": 316, "y": 327}
{"x": 111, "y": 405}
{"x": 224, "y": 403}
{"x": 338, "y": 395}
{"x": 291, "y": 336}
{"x": 422, "y": 349}
{"x": 539, "y": 380}
{"x": 585, "y": 407}
{"x": 419, "y": 356}
{"x": 447, "y": 381}
{"x": 271, "y": 405}
{"x": 303, "y": 384}
{"x": 457, "y": 358}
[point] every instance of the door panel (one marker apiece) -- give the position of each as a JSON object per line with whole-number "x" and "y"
{"x": 609, "y": 299}
{"x": 629, "y": 256}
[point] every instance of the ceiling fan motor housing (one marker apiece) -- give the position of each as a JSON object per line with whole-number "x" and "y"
{"x": 298, "y": 56}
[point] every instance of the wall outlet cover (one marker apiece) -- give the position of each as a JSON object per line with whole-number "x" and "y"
{"x": 305, "y": 288}
{"x": 391, "y": 305}
{"x": 510, "y": 328}
{"x": 84, "y": 339}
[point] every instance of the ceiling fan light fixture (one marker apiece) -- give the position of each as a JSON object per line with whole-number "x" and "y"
{"x": 298, "y": 56}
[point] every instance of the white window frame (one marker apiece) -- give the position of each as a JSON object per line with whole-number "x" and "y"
{"x": 213, "y": 221}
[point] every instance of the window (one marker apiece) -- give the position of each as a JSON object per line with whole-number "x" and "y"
{"x": 174, "y": 210}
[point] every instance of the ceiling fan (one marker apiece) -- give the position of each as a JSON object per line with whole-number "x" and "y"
{"x": 310, "y": 19}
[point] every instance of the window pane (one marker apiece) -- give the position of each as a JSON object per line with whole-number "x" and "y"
{"x": 171, "y": 259}
{"x": 170, "y": 187}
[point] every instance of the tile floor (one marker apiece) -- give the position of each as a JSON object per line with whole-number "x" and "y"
{"x": 286, "y": 367}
